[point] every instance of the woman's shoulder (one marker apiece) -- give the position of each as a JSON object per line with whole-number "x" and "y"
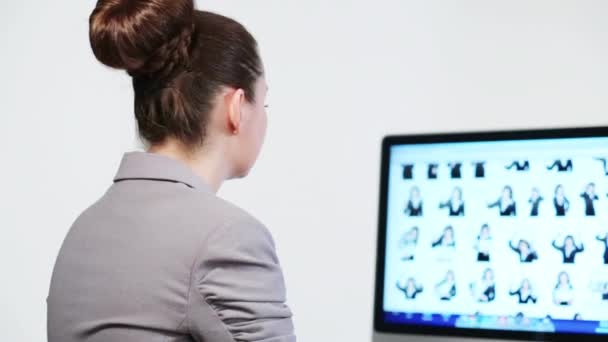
{"x": 228, "y": 219}
{"x": 208, "y": 207}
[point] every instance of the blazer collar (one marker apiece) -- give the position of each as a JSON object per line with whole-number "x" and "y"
{"x": 152, "y": 166}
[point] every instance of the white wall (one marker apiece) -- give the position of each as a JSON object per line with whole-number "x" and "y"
{"x": 342, "y": 74}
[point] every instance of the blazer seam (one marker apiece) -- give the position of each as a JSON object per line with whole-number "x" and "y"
{"x": 194, "y": 263}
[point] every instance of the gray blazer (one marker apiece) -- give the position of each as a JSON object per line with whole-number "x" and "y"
{"x": 160, "y": 258}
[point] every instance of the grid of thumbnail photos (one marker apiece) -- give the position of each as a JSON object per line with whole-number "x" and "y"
{"x": 502, "y": 237}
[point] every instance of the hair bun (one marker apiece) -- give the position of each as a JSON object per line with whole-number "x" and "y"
{"x": 142, "y": 36}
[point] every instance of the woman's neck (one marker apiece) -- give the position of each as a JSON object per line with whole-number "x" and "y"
{"x": 209, "y": 165}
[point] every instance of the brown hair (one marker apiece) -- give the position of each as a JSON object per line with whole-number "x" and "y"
{"x": 179, "y": 59}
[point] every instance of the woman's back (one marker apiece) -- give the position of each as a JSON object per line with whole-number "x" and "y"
{"x": 160, "y": 258}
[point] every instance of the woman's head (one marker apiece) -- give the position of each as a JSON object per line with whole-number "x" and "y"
{"x": 524, "y": 246}
{"x": 559, "y": 191}
{"x": 197, "y": 76}
{"x": 484, "y": 233}
{"x": 412, "y": 234}
{"x": 457, "y": 194}
{"x": 535, "y": 193}
{"x": 449, "y": 276}
{"x": 590, "y": 189}
{"x": 507, "y": 192}
{"x": 448, "y": 234}
{"x": 563, "y": 278}
{"x": 525, "y": 284}
{"x": 488, "y": 275}
{"x": 411, "y": 283}
{"x": 569, "y": 241}
{"x": 414, "y": 192}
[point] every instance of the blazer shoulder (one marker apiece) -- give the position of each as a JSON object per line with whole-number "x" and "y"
{"x": 228, "y": 216}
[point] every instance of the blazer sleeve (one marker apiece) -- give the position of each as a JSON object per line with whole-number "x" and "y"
{"x": 240, "y": 284}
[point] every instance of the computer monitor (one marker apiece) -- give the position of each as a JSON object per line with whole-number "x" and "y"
{"x": 495, "y": 235}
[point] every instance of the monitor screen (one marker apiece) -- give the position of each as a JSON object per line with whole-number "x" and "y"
{"x": 482, "y": 234}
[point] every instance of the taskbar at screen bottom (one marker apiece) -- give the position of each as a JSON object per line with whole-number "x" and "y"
{"x": 493, "y": 322}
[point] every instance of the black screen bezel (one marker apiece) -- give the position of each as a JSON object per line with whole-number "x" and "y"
{"x": 380, "y": 325}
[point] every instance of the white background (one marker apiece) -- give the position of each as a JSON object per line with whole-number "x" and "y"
{"x": 342, "y": 74}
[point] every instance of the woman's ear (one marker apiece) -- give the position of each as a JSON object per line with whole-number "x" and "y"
{"x": 235, "y": 100}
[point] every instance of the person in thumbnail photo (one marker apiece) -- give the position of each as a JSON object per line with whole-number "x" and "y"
{"x": 519, "y": 166}
{"x": 560, "y": 202}
{"x": 455, "y": 169}
{"x": 569, "y": 249}
{"x": 410, "y": 289}
{"x": 519, "y": 319}
{"x": 446, "y": 239}
{"x": 604, "y": 164}
{"x": 455, "y": 204}
{"x": 432, "y": 171}
{"x": 561, "y": 166}
{"x": 604, "y": 240}
{"x": 524, "y": 292}
{"x": 505, "y": 203}
{"x": 480, "y": 171}
{"x": 413, "y": 207}
{"x": 408, "y": 243}
{"x": 524, "y": 250}
{"x": 483, "y": 243}
{"x": 563, "y": 293}
{"x": 535, "y": 199}
{"x": 484, "y": 291}
{"x": 408, "y": 171}
{"x": 589, "y": 196}
{"x": 601, "y": 288}
{"x": 446, "y": 288}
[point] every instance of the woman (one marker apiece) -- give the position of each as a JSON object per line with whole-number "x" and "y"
{"x": 526, "y": 254}
{"x": 604, "y": 164}
{"x": 455, "y": 171}
{"x": 411, "y": 289}
{"x": 480, "y": 171}
{"x": 432, "y": 169}
{"x": 446, "y": 239}
{"x": 519, "y": 166}
{"x": 561, "y": 167}
{"x": 483, "y": 244}
{"x": 524, "y": 293}
{"x": 560, "y": 202}
{"x": 413, "y": 206}
{"x": 604, "y": 240}
{"x": 535, "y": 199}
{"x": 569, "y": 249}
{"x": 446, "y": 288}
{"x": 159, "y": 257}
{"x": 455, "y": 203}
{"x": 563, "y": 293}
{"x": 589, "y": 196}
{"x": 408, "y": 243}
{"x": 505, "y": 203}
{"x": 485, "y": 291}
{"x": 601, "y": 288}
